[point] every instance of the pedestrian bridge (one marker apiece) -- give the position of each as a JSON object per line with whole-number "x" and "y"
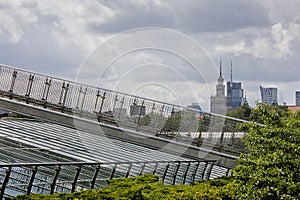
{"x": 97, "y": 112}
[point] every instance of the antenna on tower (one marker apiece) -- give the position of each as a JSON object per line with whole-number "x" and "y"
{"x": 220, "y": 68}
{"x": 231, "y": 70}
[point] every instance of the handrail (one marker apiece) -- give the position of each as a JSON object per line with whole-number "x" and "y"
{"x": 122, "y": 110}
{"x": 48, "y": 178}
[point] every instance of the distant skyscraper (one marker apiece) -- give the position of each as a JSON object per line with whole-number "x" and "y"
{"x": 297, "y": 98}
{"x": 219, "y": 103}
{"x": 235, "y": 93}
{"x": 269, "y": 95}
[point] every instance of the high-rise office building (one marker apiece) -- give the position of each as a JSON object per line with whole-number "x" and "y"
{"x": 219, "y": 103}
{"x": 235, "y": 93}
{"x": 297, "y": 98}
{"x": 269, "y": 95}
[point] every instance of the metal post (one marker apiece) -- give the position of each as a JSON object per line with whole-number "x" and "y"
{"x": 102, "y": 102}
{"x": 204, "y": 170}
{"x": 65, "y": 94}
{"x": 113, "y": 172}
{"x": 57, "y": 170}
{"x": 128, "y": 171}
{"x": 62, "y": 92}
{"x": 83, "y": 98}
{"x": 142, "y": 169}
{"x": 165, "y": 172}
{"x": 14, "y": 76}
{"x": 5, "y": 181}
{"x": 78, "y": 99}
{"x": 78, "y": 169}
{"x": 195, "y": 172}
{"x": 97, "y": 98}
{"x": 209, "y": 171}
{"x": 95, "y": 176}
{"x": 29, "y": 85}
{"x": 175, "y": 173}
{"x": 186, "y": 171}
{"x": 31, "y": 180}
{"x": 155, "y": 168}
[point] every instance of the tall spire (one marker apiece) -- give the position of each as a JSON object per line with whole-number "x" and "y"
{"x": 231, "y": 70}
{"x": 220, "y": 68}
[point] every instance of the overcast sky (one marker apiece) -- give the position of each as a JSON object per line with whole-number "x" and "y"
{"x": 166, "y": 50}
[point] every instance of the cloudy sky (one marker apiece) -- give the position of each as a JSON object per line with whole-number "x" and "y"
{"x": 166, "y": 50}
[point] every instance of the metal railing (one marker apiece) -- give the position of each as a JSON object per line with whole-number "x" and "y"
{"x": 144, "y": 115}
{"x": 49, "y": 178}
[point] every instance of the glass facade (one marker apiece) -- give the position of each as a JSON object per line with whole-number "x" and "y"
{"x": 269, "y": 95}
{"x": 297, "y": 98}
{"x": 235, "y": 93}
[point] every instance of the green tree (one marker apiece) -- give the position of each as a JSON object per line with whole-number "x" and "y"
{"x": 270, "y": 169}
{"x": 242, "y": 112}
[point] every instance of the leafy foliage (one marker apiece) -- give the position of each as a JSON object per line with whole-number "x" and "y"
{"x": 270, "y": 169}
{"x": 149, "y": 187}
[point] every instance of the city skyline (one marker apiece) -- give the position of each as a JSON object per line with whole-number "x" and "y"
{"x": 60, "y": 38}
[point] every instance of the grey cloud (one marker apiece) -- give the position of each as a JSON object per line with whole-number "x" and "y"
{"x": 187, "y": 16}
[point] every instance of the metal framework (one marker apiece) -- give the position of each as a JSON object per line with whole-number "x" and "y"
{"x": 48, "y": 178}
{"x": 144, "y": 115}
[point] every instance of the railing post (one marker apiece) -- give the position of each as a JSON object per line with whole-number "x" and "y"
{"x": 76, "y": 178}
{"x": 175, "y": 173}
{"x": 95, "y": 176}
{"x": 195, "y": 172}
{"x": 29, "y": 86}
{"x": 57, "y": 170}
{"x": 155, "y": 168}
{"x": 5, "y": 181}
{"x": 102, "y": 102}
{"x": 83, "y": 98}
{"x": 142, "y": 168}
{"x": 113, "y": 172}
{"x": 14, "y": 76}
{"x": 165, "y": 172}
{"x": 209, "y": 171}
{"x": 61, "y": 92}
{"x": 204, "y": 170}
{"x": 96, "y": 102}
{"x": 78, "y": 98}
{"x": 128, "y": 171}
{"x": 46, "y": 89}
{"x": 185, "y": 173}
{"x": 31, "y": 180}
{"x": 65, "y": 95}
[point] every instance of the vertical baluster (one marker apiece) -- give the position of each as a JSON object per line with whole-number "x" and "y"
{"x": 53, "y": 184}
{"x": 95, "y": 176}
{"x": 165, "y": 172}
{"x": 29, "y": 87}
{"x": 155, "y": 168}
{"x": 113, "y": 172}
{"x": 128, "y": 171}
{"x": 102, "y": 101}
{"x": 31, "y": 180}
{"x": 142, "y": 168}
{"x": 96, "y": 102}
{"x": 186, "y": 171}
{"x": 14, "y": 76}
{"x": 209, "y": 171}
{"x": 5, "y": 181}
{"x": 78, "y": 169}
{"x": 195, "y": 172}
{"x": 65, "y": 96}
{"x": 175, "y": 173}
{"x": 61, "y": 92}
{"x": 78, "y": 98}
{"x": 83, "y": 98}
